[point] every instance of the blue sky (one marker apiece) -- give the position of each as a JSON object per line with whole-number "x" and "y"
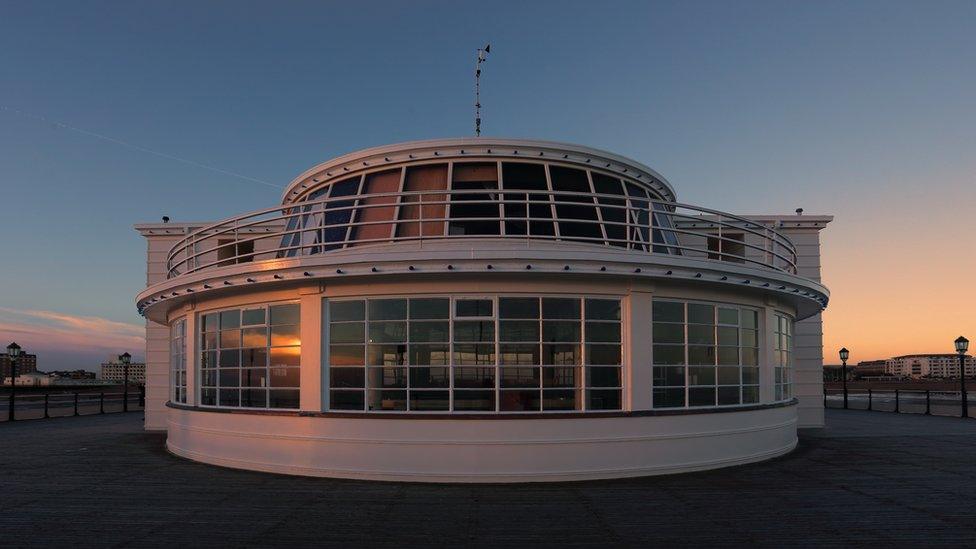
{"x": 864, "y": 110}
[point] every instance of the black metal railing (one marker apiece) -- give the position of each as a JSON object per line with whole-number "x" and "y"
{"x": 901, "y": 401}
{"x": 51, "y": 405}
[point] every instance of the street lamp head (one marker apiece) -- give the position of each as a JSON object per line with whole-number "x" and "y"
{"x": 962, "y": 345}
{"x": 844, "y": 354}
{"x": 124, "y": 358}
{"x": 13, "y": 350}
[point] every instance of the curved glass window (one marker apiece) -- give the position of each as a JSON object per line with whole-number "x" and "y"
{"x": 251, "y": 357}
{"x": 704, "y": 354}
{"x": 177, "y": 361}
{"x": 783, "y": 360}
{"x": 528, "y": 199}
{"x": 475, "y": 354}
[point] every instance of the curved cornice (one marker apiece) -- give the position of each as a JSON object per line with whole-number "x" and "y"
{"x": 470, "y": 148}
{"x": 493, "y": 258}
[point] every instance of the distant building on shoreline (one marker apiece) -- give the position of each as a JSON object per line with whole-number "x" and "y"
{"x": 71, "y": 374}
{"x": 940, "y": 366}
{"x": 114, "y": 371}
{"x": 26, "y": 364}
{"x": 931, "y": 365}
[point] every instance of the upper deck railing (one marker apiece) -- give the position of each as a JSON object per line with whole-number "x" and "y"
{"x": 638, "y": 224}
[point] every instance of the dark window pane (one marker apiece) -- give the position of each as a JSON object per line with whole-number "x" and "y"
{"x": 701, "y": 375}
{"x": 520, "y": 401}
{"x": 346, "y": 400}
{"x": 254, "y": 358}
{"x": 430, "y": 308}
{"x": 603, "y": 331}
{"x": 285, "y": 377}
{"x": 750, "y": 395}
{"x": 347, "y": 310}
{"x": 561, "y": 354}
{"x": 701, "y": 355}
{"x": 560, "y": 377}
{"x": 701, "y": 314}
{"x": 428, "y": 355}
{"x": 387, "y": 400}
{"x": 750, "y": 357}
{"x": 474, "y": 330}
{"x": 728, "y": 396}
{"x": 387, "y": 355}
{"x": 669, "y": 333}
{"x": 560, "y": 308}
{"x": 600, "y": 355}
{"x": 665, "y": 376}
{"x": 704, "y": 335}
{"x": 387, "y": 332}
{"x": 728, "y": 356}
{"x": 424, "y": 401}
{"x": 254, "y": 398}
{"x": 347, "y": 332}
{"x": 210, "y": 322}
{"x": 471, "y": 354}
{"x": 749, "y": 319}
{"x": 474, "y": 377}
{"x": 251, "y": 317}
{"x": 669, "y": 398}
{"x": 230, "y": 358}
{"x": 603, "y": 377}
{"x": 230, "y": 377}
{"x": 668, "y": 311}
{"x": 285, "y": 314}
{"x": 603, "y": 309}
{"x": 519, "y": 377}
{"x": 387, "y": 309}
{"x": 208, "y": 397}
{"x": 474, "y": 307}
{"x": 283, "y": 398}
{"x": 750, "y": 376}
{"x": 518, "y": 307}
{"x": 346, "y": 355}
{"x": 701, "y": 396}
{"x": 254, "y": 377}
{"x": 387, "y": 378}
{"x": 603, "y": 399}
{"x": 468, "y": 401}
{"x": 554, "y": 400}
{"x": 553, "y": 331}
{"x": 430, "y": 377}
{"x": 229, "y": 397}
{"x": 519, "y": 330}
{"x": 347, "y": 377}
{"x": 728, "y": 376}
{"x": 520, "y": 354}
{"x": 748, "y": 338}
{"x": 230, "y": 319}
{"x": 728, "y": 316}
{"x": 669, "y": 354}
{"x": 429, "y": 331}
{"x": 728, "y": 335}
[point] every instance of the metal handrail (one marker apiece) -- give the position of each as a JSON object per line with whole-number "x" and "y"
{"x": 661, "y": 233}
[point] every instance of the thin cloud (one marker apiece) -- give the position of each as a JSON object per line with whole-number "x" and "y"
{"x": 45, "y": 331}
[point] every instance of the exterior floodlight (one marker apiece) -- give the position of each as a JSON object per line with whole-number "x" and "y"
{"x": 125, "y": 358}
{"x": 13, "y": 350}
{"x": 844, "y": 354}
{"x": 962, "y": 345}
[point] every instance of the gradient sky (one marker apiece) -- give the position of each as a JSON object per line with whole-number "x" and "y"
{"x": 862, "y": 110}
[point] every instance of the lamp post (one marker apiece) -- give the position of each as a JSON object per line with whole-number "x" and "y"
{"x": 844, "y": 355}
{"x": 13, "y": 350}
{"x": 125, "y": 358}
{"x": 962, "y": 345}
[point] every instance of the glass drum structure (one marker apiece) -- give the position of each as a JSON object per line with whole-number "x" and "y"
{"x": 481, "y": 310}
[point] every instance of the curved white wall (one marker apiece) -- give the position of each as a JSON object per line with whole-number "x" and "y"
{"x": 482, "y": 450}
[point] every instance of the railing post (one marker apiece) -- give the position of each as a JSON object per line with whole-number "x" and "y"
{"x": 101, "y": 402}
{"x": 869, "y": 399}
{"x": 897, "y": 404}
{"x": 46, "y": 397}
{"x": 928, "y": 403}
{"x": 76, "y": 403}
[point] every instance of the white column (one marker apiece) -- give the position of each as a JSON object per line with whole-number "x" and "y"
{"x": 192, "y": 358}
{"x": 311, "y": 330}
{"x": 638, "y": 372}
{"x": 767, "y": 356}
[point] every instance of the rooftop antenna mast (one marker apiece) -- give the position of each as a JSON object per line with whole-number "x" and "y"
{"x": 482, "y": 57}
